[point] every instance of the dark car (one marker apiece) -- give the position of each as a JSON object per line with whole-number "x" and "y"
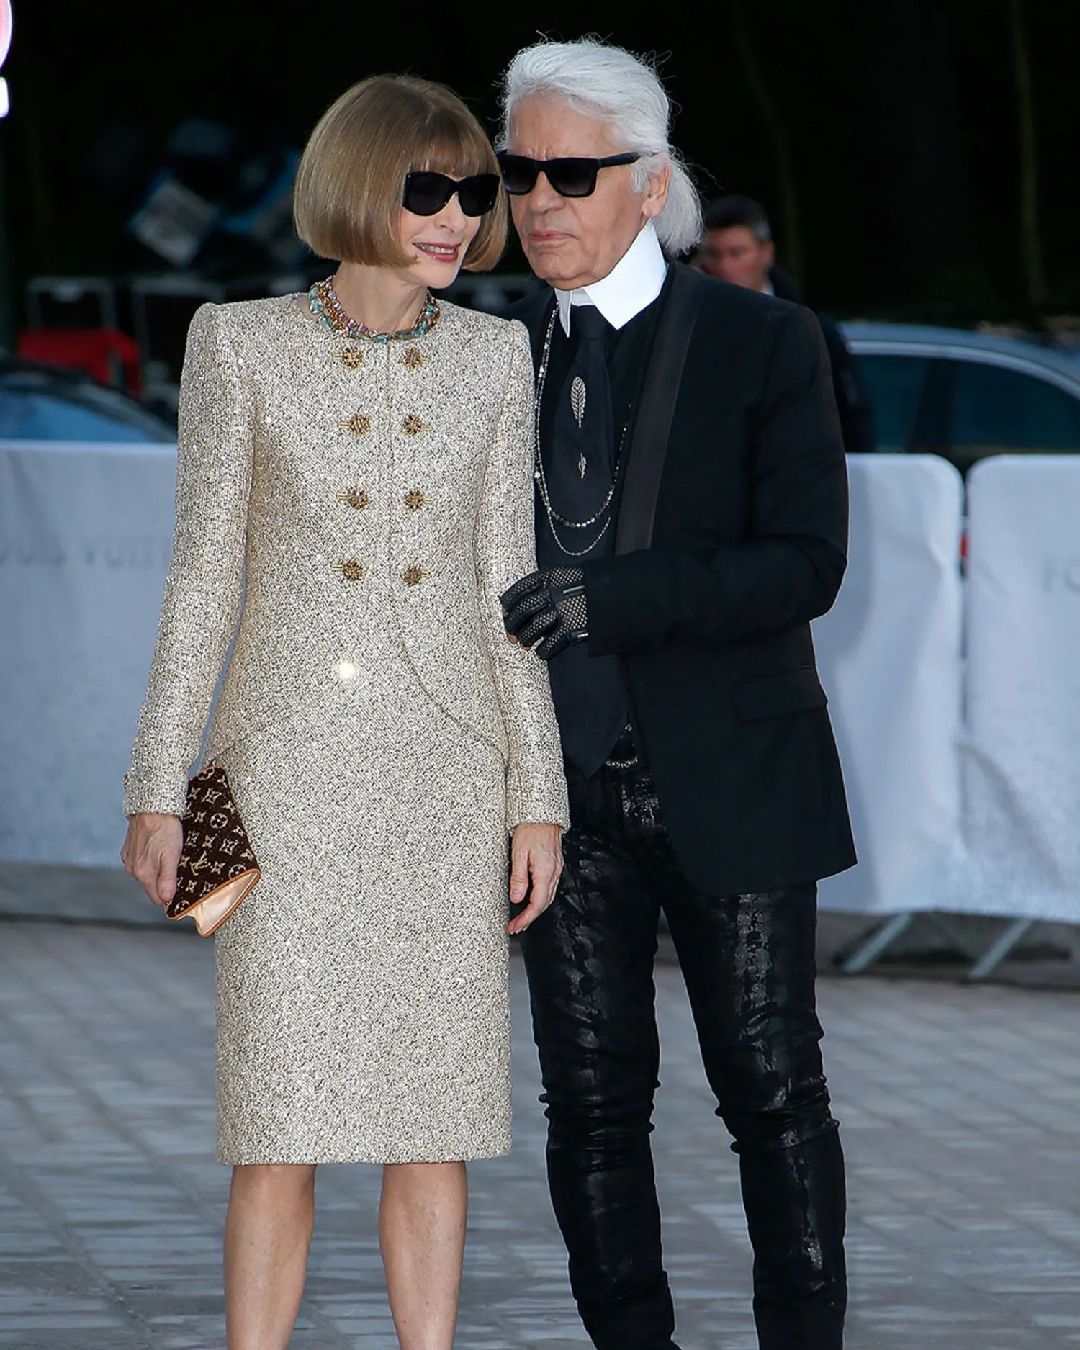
{"x": 966, "y": 395}
{"x": 47, "y": 403}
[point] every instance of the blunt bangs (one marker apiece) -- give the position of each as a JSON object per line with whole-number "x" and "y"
{"x": 347, "y": 199}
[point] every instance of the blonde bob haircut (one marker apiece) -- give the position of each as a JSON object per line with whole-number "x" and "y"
{"x": 347, "y": 198}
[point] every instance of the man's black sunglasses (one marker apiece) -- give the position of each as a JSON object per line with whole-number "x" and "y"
{"x": 426, "y": 193}
{"x": 570, "y": 177}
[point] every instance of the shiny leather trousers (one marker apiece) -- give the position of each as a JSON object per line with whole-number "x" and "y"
{"x": 748, "y": 962}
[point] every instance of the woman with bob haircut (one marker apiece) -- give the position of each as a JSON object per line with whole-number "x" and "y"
{"x": 355, "y": 489}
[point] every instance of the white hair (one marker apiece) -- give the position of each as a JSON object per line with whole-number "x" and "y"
{"x": 623, "y": 90}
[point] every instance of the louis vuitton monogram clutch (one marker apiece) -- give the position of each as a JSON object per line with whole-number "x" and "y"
{"x": 217, "y": 867}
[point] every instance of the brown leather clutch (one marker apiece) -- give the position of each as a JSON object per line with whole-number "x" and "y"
{"x": 217, "y": 867}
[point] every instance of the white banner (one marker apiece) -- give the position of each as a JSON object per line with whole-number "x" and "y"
{"x": 85, "y": 535}
{"x": 85, "y": 538}
{"x": 889, "y": 656}
{"x": 1021, "y": 756}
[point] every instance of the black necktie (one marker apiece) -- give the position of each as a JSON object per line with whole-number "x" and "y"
{"x": 582, "y": 431}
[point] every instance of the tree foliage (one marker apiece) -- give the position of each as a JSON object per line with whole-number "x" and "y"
{"x": 914, "y": 154}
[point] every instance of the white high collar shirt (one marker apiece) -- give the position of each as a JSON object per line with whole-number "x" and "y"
{"x": 634, "y": 282}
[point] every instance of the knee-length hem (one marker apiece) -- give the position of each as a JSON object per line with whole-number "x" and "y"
{"x": 364, "y": 1159}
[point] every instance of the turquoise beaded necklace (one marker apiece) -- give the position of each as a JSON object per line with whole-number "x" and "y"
{"x": 322, "y": 300}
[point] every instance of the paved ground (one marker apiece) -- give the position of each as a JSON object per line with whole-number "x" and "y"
{"x": 960, "y": 1109}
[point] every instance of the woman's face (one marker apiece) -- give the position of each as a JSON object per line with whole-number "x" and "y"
{"x": 437, "y": 244}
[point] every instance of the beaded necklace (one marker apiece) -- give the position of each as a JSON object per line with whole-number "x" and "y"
{"x": 322, "y": 300}
{"x": 541, "y": 477}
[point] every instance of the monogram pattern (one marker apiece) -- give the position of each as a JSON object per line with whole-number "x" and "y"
{"x": 216, "y": 847}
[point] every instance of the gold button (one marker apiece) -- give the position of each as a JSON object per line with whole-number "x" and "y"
{"x": 413, "y": 424}
{"x": 351, "y": 569}
{"x": 415, "y": 499}
{"x": 357, "y": 498}
{"x": 413, "y": 575}
{"x": 413, "y": 358}
{"x": 359, "y": 424}
{"x": 352, "y": 358}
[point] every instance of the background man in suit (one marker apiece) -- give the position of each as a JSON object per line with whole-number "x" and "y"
{"x": 737, "y": 246}
{"x": 692, "y": 519}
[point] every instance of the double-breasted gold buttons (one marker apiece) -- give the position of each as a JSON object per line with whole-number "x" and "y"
{"x": 413, "y": 575}
{"x": 359, "y": 424}
{"x": 355, "y": 497}
{"x": 413, "y": 425}
{"x": 415, "y": 499}
{"x": 412, "y": 358}
{"x": 352, "y": 358}
{"x": 351, "y": 569}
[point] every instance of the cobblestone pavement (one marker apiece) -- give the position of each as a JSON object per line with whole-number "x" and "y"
{"x": 959, "y": 1108}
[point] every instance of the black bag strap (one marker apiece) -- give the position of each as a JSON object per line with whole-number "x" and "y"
{"x": 647, "y": 450}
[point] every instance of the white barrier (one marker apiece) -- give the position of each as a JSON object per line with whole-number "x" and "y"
{"x": 889, "y": 655}
{"x": 1021, "y": 755}
{"x": 982, "y": 818}
{"x": 85, "y": 537}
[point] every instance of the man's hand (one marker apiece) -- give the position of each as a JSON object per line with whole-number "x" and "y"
{"x": 536, "y": 865}
{"x": 151, "y": 852}
{"x": 550, "y": 605}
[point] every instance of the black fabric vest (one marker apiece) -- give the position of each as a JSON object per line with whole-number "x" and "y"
{"x": 589, "y": 692}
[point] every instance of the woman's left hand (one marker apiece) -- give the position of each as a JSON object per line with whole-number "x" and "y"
{"x": 536, "y": 864}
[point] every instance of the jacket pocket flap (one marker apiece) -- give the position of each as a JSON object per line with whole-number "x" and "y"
{"x": 784, "y": 691}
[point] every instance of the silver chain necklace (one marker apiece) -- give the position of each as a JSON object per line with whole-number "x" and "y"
{"x": 541, "y": 477}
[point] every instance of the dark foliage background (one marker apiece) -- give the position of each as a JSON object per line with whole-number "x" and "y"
{"x": 886, "y": 137}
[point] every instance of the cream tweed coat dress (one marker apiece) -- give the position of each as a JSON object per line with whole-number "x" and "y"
{"x": 358, "y": 507}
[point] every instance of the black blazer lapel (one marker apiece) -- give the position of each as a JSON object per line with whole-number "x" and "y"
{"x": 647, "y": 446}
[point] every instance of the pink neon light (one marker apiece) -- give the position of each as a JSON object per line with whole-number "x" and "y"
{"x": 5, "y": 29}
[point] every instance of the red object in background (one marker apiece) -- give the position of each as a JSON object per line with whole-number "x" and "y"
{"x": 105, "y": 353}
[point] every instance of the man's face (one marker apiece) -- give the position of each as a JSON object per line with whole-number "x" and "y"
{"x": 736, "y": 255}
{"x": 574, "y": 241}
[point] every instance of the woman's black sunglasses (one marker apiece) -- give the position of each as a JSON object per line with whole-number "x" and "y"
{"x": 570, "y": 177}
{"x": 426, "y": 193}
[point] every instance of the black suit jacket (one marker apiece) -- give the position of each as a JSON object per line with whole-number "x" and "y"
{"x": 746, "y": 544}
{"x": 852, "y": 399}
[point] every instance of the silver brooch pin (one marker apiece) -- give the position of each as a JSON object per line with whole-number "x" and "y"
{"x": 577, "y": 399}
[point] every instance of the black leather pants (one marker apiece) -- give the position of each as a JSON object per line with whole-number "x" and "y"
{"x": 748, "y": 962}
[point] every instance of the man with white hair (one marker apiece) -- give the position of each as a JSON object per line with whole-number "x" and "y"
{"x": 691, "y": 521}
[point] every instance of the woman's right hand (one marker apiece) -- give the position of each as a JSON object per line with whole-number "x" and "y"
{"x": 151, "y": 852}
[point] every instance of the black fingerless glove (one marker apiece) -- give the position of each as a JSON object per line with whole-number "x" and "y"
{"x": 548, "y": 608}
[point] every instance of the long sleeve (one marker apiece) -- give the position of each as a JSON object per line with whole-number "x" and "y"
{"x": 203, "y": 589}
{"x": 505, "y": 552}
{"x": 789, "y": 568}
